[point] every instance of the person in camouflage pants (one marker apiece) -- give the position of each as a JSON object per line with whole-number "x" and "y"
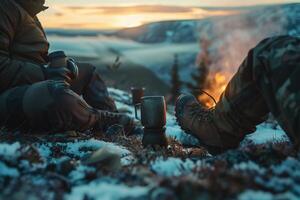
{"x": 267, "y": 81}
{"x": 37, "y": 98}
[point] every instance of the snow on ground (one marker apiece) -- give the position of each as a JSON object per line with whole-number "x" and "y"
{"x": 81, "y": 149}
{"x": 106, "y": 190}
{"x": 10, "y": 151}
{"x": 172, "y": 166}
{"x": 75, "y": 148}
{"x": 173, "y": 130}
{"x": 276, "y": 173}
{"x": 254, "y": 195}
{"x": 8, "y": 171}
{"x": 264, "y": 134}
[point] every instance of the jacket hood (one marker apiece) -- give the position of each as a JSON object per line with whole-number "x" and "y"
{"x": 30, "y": 9}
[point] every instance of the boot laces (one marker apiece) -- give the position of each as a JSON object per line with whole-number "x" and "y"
{"x": 111, "y": 118}
{"x": 109, "y": 115}
{"x": 202, "y": 113}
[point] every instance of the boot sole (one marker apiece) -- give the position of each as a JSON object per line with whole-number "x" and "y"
{"x": 177, "y": 113}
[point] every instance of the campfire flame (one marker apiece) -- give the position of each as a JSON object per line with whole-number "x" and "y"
{"x": 217, "y": 85}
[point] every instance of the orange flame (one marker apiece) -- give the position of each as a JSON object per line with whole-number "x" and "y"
{"x": 217, "y": 85}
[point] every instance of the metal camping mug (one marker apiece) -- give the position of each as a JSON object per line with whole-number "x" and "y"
{"x": 137, "y": 94}
{"x": 153, "y": 112}
{"x": 58, "y": 59}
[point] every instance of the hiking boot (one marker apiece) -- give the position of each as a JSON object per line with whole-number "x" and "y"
{"x": 203, "y": 123}
{"x": 108, "y": 119}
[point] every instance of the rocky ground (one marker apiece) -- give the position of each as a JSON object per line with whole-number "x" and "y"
{"x": 265, "y": 166}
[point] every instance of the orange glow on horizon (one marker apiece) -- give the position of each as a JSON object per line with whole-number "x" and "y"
{"x": 129, "y": 21}
{"x": 120, "y": 17}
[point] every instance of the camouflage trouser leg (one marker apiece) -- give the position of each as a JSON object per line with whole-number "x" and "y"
{"x": 279, "y": 81}
{"x": 267, "y": 81}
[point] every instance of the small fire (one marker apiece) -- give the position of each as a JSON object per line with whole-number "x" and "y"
{"x": 217, "y": 85}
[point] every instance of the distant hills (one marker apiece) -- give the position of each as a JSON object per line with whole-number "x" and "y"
{"x": 184, "y": 31}
{"x": 153, "y": 45}
{"x": 286, "y": 16}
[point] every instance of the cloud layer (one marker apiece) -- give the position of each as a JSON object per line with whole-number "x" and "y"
{"x": 132, "y": 9}
{"x": 110, "y": 17}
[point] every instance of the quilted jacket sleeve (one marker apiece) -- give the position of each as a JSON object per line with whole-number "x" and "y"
{"x": 11, "y": 68}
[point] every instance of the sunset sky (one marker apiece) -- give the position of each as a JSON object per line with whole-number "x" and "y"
{"x": 115, "y": 14}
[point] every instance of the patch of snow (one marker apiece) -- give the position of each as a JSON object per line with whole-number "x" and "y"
{"x": 83, "y": 148}
{"x": 10, "y": 151}
{"x": 116, "y": 92}
{"x": 265, "y": 134}
{"x": 261, "y": 195}
{"x": 100, "y": 190}
{"x": 130, "y": 109}
{"x": 8, "y": 171}
{"x": 249, "y": 166}
{"x": 79, "y": 149}
{"x": 172, "y": 166}
{"x": 287, "y": 195}
{"x": 25, "y": 164}
{"x": 80, "y": 172}
{"x": 120, "y": 96}
{"x": 180, "y": 136}
{"x": 254, "y": 195}
{"x": 44, "y": 150}
{"x": 38, "y": 180}
{"x": 290, "y": 166}
{"x": 279, "y": 184}
{"x": 127, "y": 160}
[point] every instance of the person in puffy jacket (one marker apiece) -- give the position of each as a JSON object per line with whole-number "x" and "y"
{"x": 31, "y": 98}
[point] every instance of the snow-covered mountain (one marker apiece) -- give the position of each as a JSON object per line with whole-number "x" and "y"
{"x": 231, "y": 37}
{"x": 185, "y": 31}
{"x": 168, "y": 31}
{"x": 153, "y": 45}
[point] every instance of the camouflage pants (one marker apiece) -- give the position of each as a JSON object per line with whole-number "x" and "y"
{"x": 267, "y": 81}
{"x": 34, "y": 104}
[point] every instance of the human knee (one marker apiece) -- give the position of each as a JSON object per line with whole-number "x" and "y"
{"x": 48, "y": 98}
{"x": 64, "y": 97}
{"x": 68, "y": 110}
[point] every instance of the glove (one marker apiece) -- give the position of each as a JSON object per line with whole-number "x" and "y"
{"x": 68, "y": 74}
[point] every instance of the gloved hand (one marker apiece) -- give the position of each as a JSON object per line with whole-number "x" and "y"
{"x": 67, "y": 74}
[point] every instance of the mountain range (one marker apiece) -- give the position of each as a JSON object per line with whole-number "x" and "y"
{"x": 153, "y": 45}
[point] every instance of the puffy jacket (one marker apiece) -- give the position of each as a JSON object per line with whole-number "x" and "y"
{"x": 23, "y": 46}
